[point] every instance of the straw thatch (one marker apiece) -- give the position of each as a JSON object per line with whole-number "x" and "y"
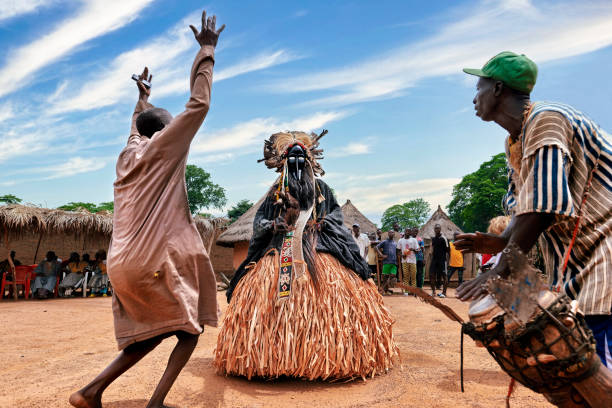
{"x": 352, "y": 215}
{"x": 242, "y": 228}
{"x": 19, "y": 220}
{"x": 338, "y": 329}
{"x": 447, "y": 226}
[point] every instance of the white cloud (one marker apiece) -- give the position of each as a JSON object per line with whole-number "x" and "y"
{"x": 74, "y": 166}
{"x": 6, "y": 111}
{"x": 14, "y": 8}
{"x": 351, "y": 149}
{"x": 374, "y": 193}
{"x": 251, "y": 64}
{"x": 253, "y": 132}
{"x": 482, "y": 32}
{"x": 96, "y": 18}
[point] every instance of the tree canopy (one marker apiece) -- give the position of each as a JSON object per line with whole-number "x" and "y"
{"x": 10, "y": 199}
{"x": 201, "y": 191}
{"x": 91, "y": 207}
{"x": 412, "y": 214}
{"x": 477, "y": 198}
{"x": 238, "y": 209}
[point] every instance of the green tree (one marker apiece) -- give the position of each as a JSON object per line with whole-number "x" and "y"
{"x": 201, "y": 191}
{"x": 237, "y": 210}
{"x": 477, "y": 198}
{"x": 76, "y": 205}
{"x": 106, "y": 206}
{"x": 412, "y": 214}
{"x": 10, "y": 199}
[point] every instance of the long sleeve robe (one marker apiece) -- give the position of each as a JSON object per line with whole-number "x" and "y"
{"x": 161, "y": 274}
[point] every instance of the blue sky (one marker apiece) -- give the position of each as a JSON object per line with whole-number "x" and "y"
{"x": 385, "y": 79}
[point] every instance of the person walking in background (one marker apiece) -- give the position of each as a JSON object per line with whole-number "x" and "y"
{"x": 362, "y": 240}
{"x": 407, "y": 247}
{"x": 372, "y": 258}
{"x": 389, "y": 260}
{"x": 439, "y": 258}
{"x": 420, "y": 258}
{"x": 455, "y": 262}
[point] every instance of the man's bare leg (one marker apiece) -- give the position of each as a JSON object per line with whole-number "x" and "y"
{"x": 90, "y": 396}
{"x": 179, "y": 357}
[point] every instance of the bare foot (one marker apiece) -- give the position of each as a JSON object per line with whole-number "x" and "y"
{"x": 78, "y": 400}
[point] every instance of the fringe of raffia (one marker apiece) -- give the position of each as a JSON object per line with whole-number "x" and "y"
{"x": 339, "y": 330}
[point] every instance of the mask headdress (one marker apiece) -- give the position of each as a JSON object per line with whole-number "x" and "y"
{"x": 277, "y": 147}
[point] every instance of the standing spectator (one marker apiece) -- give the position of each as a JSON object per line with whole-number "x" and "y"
{"x": 379, "y": 236}
{"x": 420, "y": 258}
{"x": 362, "y": 240}
{"x": 46, "y": 276}
{"x": 373, "y": 258}
{"x": 455, "y": 262}
{"x": 389, "y": 260}
{"x": 408, "y": 247}
{"x": 439, "y": 256}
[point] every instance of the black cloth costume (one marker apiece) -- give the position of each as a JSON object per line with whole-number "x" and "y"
{"x": 332, "y": 237}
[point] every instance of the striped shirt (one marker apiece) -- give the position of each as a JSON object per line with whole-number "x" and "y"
{"x": 560, "y": 148}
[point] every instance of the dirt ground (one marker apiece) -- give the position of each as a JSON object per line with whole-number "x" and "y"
{"x": 51, "y": 348}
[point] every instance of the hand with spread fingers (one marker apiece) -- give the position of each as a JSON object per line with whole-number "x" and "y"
{"x": 208, "y": 35}
{"x": 143, "y": 91}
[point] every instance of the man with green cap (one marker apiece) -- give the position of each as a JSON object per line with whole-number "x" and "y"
{"x": 560, "y": 192}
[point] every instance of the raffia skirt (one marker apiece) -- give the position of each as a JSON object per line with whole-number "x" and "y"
{"x": 339, "y": 329}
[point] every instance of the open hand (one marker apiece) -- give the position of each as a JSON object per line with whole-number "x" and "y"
{"x": 143, "y": 91}
{"x": 208, "y": 35}
{"x": 480, "y": 242}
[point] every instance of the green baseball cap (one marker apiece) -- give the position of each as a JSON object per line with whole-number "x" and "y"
{"x": 516, "y": 71}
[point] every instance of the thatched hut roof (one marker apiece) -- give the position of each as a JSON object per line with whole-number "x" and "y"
{"x": 242, "y": 228}
{"x": 18, "y": 220}
{"x": 439, "y": 217}
{"x": 352, "y": 215}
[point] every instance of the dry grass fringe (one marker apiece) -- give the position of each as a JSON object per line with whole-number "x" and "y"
{"x": 340, "y": 331}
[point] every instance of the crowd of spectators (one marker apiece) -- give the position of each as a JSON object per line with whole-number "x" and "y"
{"x": 78, "y": 275}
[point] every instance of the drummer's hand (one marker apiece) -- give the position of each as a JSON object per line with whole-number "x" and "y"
{"x": 475, "y": 288}
{"x": 280, "y": 225}
{"x": 480, "y": 242}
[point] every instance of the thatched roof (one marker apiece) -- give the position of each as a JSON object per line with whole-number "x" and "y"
{"x": 21, "y": 219}
{"x": 242, "y": 228}
{"x": 439, "y": 217}
{"x": 352, "y": 215}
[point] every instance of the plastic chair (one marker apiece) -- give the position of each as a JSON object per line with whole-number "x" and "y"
{"x": 23, "y": 276}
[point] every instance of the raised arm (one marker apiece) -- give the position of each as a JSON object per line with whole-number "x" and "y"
{"x": 177, "y": 136}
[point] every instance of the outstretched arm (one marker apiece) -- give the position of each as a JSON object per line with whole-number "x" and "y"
{"x": 176, "y": 137}
{"x": 523, "y": 231}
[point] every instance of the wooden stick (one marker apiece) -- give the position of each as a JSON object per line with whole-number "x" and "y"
{"x": 37, "y": 247}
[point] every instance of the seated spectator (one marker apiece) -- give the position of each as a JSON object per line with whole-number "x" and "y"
{"x": 5, "y": 265}
{"x": 99, "y": 282}
{"x": 46, "y": 275}
{"x": 75, "y": 270}
{"x": 86, "y": 258}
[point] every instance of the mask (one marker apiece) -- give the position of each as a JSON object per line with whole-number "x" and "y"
{"x": 296, "y": 160}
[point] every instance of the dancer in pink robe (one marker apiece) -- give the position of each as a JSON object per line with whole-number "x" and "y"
{"x": 162, "y": 278}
